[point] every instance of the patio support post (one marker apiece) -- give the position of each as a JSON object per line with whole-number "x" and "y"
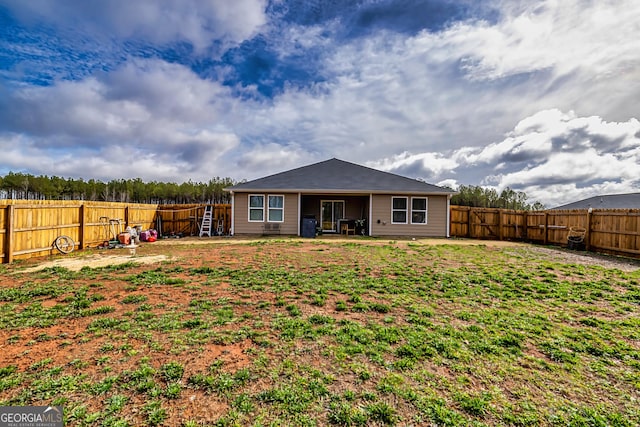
{"x": 299, "y": 214}
{"x": 233, "y": 216}
{"x": 370, "y": 222}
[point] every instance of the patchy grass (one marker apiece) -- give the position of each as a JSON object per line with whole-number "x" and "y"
{"x": 326, "y": 333}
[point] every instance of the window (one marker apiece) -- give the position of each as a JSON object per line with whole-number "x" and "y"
{"x": 399, "y": 210}
{"x": 276, "y": 209}
{"x": 256, "y": 208}
{"x": 418, "y": 210}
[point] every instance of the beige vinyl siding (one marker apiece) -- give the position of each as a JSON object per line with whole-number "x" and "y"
{"x": 436, "y": 217}
{"x": 241, "y": 214}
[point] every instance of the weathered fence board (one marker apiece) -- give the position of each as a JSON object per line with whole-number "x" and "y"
{"x": 607, "y": 230}
{"x": 185, "y": 219}
{"x": 488, "y": 223}
{"x": 29, "y": 228}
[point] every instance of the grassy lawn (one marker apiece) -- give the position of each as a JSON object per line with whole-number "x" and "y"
{"x": 314, "y": 333}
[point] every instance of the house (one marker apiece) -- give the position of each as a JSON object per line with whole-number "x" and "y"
{"x": 339, "y": 196}
{"x": 611, "y": 201}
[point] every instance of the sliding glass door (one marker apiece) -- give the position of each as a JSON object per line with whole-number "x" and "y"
{"x": 330, "y": 212}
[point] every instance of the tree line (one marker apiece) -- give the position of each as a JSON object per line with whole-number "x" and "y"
{"x": 476, "y": 196}
{"x": 29, "y": 187}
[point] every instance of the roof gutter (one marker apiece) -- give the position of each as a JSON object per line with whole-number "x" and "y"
{"x": 334, "y": 191}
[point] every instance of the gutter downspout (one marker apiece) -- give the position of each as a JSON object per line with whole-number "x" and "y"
{"x": 370, "y": 214}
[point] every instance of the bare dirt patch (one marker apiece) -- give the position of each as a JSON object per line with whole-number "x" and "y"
{"x": 96, "y": 261}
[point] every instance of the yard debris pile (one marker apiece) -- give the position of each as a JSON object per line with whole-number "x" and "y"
{"x": 130, "y": 238}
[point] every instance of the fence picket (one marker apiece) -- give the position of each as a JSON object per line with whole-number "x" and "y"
{"x": 28, "y": 230}
{"x": 615, "y": 231}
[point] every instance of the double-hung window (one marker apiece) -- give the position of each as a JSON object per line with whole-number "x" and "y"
{"x": 399, "y": 210}
{"x": 256, "y": 208}
{"x": 276, "y": 209}
{"x": 418, "y": 210}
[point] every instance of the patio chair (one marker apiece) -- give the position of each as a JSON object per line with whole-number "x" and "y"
{"x": 345, "y": 228}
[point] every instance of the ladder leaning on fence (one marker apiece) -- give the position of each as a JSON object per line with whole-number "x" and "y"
{"x": 207, "y": 221}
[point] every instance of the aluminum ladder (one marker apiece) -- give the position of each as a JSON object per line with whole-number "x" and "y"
{"x": 207, "y": 221}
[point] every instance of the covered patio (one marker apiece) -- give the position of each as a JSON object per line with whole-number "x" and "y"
{"x": 334, "y": 212}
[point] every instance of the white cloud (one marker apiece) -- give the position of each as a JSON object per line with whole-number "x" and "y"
{"x": 149, "y": 110}
{"x": 276, "y": 157}
{"x": 390, "y": 93}
{"x": 554, "y": 157}
{"x": 551, "y": 132}
{"x": 158, "y": 21}
{"x": 429, "y": 164}
{"x": 569, "y": 35}
{"x": 584, "y": 167}
{"x": 296, "y": 40}
{"x": 561, "y": 194}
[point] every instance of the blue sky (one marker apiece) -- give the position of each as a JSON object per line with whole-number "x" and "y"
{"x": 539, "y": 96}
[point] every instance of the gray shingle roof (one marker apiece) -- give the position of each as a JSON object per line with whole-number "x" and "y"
{"x": 611, "y": 201}
{"x": 338, "y": 176}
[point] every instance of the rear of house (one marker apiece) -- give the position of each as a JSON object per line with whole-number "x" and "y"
{"x": 340, "y": 197}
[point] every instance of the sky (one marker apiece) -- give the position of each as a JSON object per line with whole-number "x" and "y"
{"x": 538, "y": 96}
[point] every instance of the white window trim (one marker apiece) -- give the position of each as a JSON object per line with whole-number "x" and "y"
{"x": 268, "y": 208}
{"x": 406, "y": 210}
{"x": 249, "y": 208}
{"x": 426, "y": 211}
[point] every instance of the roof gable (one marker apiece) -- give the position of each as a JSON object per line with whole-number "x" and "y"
{"x": 336, "y": 176}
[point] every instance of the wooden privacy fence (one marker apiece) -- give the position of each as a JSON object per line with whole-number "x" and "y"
{"x": 185, "y": 219}
{"x": 615, "y": 231}
{"x": 28, "y": 228}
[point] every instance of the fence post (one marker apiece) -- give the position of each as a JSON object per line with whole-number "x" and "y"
{"x": 587, "y": 236}
{"x": 525, "y": 226}
{"x": 469, "y": 223}
{"x": 82, "y": 234}
{"x": 224, "y": 220}
{"x": 499, "y": 224}
{"x": 8, "y": 243}
{"x": 126, "y": 216}
{"x": 546, "y": 227}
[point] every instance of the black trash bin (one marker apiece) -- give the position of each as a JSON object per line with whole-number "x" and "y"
{"x": 309, "y": 226}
